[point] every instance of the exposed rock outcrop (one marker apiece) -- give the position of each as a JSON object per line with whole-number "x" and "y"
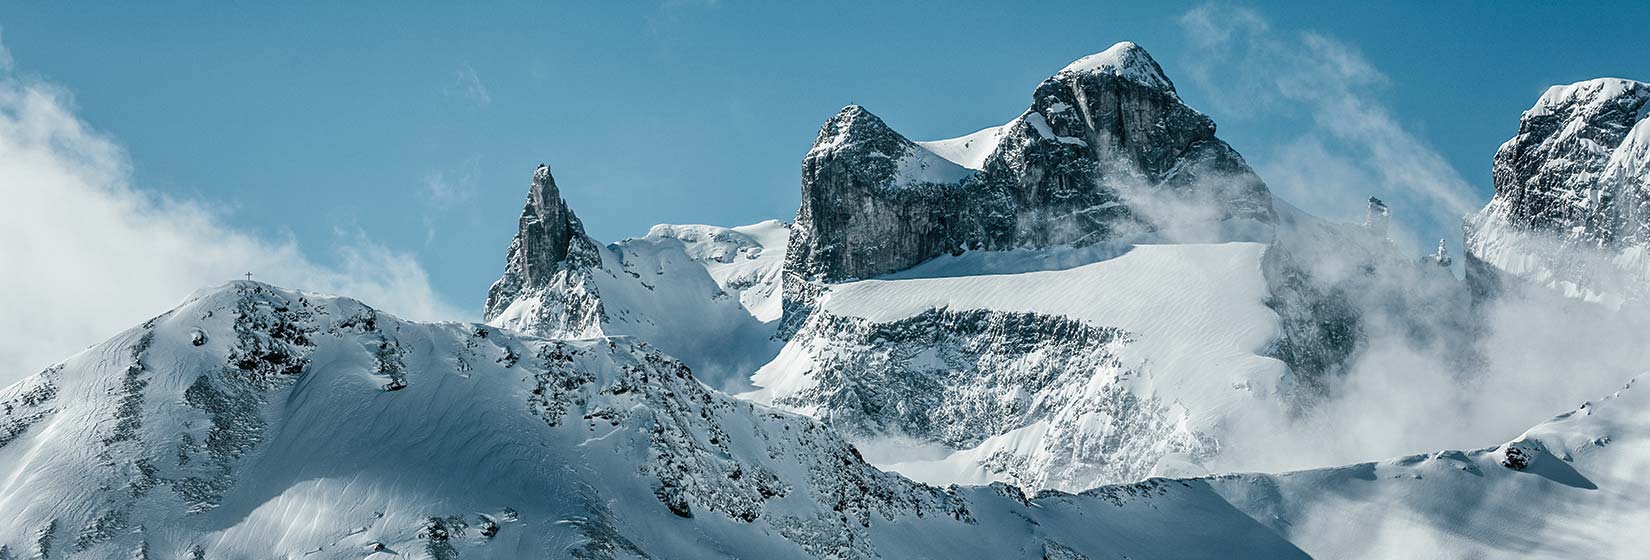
{"x": 547, "y": 273}
{"x": 707, "y": 295}
{"x": 1571, "y": 209}
{"x": 1106, "y": 149}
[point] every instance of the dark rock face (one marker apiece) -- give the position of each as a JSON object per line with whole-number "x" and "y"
{"x": 550, "y": 257}
{"x": 1106, "y": 149}
{"x": 1572, "y": 189}
{"x": 1552, "y": 175}
{"x": 857, "y": 218}
{"x": 551, "y": 237}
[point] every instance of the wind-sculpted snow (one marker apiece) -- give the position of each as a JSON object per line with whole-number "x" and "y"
{"x": 1572, "y": 487}
{"x": 254, "y": 421}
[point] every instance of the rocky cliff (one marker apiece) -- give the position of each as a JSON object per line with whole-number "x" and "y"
{"x": 547, "y": 271}
{"x": 1106, "y": 149}
{"x": 1571, "y": 209}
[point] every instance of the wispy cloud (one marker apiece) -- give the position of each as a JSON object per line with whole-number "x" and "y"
{"x": 1354, "y": 146}
{"x": 86, "y": 254}
{"x": 443, "y": 190}
{"x": 467, "y": 85}
{"x": 1428, "y": 374}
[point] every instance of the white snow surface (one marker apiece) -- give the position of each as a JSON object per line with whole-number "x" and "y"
{"x": 151, "y": 445}
{"x": 745, "y": 259}
{"x": 707, "y": 295}
{"x": 971, "y": 150}
{"x": 1593, "y": 93}
{"x": 921, "y": 166}
{"x": 1196, "y": 311}
{"x": 1037, "y": 121}
{"x": 1126, "y": 60}
{"x": 1582, "y": 495}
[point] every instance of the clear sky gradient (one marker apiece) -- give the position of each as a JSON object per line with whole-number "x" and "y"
{"x": 419, "y": 126}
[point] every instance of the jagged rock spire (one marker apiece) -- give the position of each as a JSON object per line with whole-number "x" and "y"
{"x": 1441, "y": 256}
{"x": 550, "y": 250}
{"x": 551, "y": 235}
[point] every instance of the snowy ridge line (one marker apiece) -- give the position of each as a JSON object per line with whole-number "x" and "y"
{"x": 265, "y": 421}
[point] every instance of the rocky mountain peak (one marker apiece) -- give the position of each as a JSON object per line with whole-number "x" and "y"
{"x": 1377, "y": 217}
{"x": 858, "y": 143}
{"x": 1105, "y": 147}
{"x": 1574, "y": 182}
{"x": 852, "y": 124}
{"x": 550, "y": 233}
{"x": 550, "y": 250}
{"x": 1553, "y": 175}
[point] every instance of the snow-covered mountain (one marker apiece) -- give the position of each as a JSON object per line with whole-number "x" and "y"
{"x": 1098, "y": 291}
{"x": 1030, "y": 326}
{"x": 254, "y": 421}
{"x": 1106, "y": 149}
{"x": 1571, "y": 210}
{"x": 707, "y": 295}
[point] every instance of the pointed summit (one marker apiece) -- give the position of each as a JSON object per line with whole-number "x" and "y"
{"x": 1125, "y": 60}
{"x": 549, "y": 255}
{"x": 550, "y": 233}
{"x": 854, "y": 127}
{"x": 1103, "y": 133}
{"x": 1572, "y": 196}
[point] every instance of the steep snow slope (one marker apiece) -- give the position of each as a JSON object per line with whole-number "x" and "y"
{"x": 743, "y": 260}
{"x": 253, "y": 422}
{"x": 968, "y": 151}
{"x": 708, "y": 295}
{"x": 705, "y": 294}
{"x": 1179, "y": 358}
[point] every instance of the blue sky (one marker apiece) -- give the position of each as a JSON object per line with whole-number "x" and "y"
{"x": 418, "y": 126}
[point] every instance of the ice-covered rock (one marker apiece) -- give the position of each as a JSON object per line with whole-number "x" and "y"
{"x": 1571, "y": 209}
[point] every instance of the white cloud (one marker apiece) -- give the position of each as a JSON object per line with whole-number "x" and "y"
{"x": 1474, "y": 376}
{"x": 1354, "y": 146}
{"x": 84, "y": 254}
